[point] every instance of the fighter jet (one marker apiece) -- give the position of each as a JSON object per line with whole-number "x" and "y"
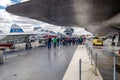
{"x": 15, "y": 36}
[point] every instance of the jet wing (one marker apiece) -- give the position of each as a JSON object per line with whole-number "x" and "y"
{"x": 90, "y": 14}
{"x": 15, "y": 34}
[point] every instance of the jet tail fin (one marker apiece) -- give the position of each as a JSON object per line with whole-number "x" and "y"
{"x": 15, "y": 28}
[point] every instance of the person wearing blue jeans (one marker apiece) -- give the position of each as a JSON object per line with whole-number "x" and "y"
{"x": 49, "y": 43}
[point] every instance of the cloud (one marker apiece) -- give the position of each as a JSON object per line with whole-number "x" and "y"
{"x": 5, "y": 17}
{"x": 25, "y": 20}
{"x": 1, "y": 19}
{"x": 24, "y": 0}
{"x": 5, "y": 3}
{"x": 53, "y": 27}
{"x": 5, "y": 27}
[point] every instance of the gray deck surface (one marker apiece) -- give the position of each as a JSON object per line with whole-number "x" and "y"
{"x": 38, "y": 64}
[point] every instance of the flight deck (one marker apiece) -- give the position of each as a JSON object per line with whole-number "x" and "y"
{"x": 60, "y": 63}
{"x": 38, "y": 64}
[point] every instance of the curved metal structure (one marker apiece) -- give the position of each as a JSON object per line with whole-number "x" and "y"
{"x": 90, "y": 14}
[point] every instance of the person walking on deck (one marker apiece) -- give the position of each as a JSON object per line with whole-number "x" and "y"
{"x": 54, "y": 42}
{"x": 81, "y": 40}
{"x": 49, "y": 43}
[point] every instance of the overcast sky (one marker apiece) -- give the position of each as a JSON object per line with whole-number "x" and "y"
{"x": 7, "y": 19}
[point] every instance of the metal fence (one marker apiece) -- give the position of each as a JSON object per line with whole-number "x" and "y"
{"x": 104, "y": 61}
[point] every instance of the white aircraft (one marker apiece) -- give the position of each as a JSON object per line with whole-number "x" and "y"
{"x": 42, "y": 33}
{"x": 16, "y": 35}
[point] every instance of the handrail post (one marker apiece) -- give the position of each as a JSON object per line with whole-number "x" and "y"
{"x": 114, "y": 70}
{"x": 89, "y": 52}
{"x": 96, "y": 64}
{"x": 91, "y": 56}
{"x": 80, "y": 69}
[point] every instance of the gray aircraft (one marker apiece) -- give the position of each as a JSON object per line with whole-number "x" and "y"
{"x": 100, "y": 17}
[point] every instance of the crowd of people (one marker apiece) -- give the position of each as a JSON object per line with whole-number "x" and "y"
{"x": 65, "y": 41}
